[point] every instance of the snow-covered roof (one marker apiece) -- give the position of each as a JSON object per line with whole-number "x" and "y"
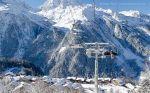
{"x": 71, "y": 78}
{"x": 103, "y": 79}
{"x": 28, "y": 77}
{"x": 130, "y": 86}
{"x": 77, "y": 86}
{"x": 82, "y": 79}
{"x": 10, "y": 73}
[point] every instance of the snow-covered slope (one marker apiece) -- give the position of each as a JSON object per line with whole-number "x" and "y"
{"x": 64, "y": 16}
{"x": 25, "y": 34}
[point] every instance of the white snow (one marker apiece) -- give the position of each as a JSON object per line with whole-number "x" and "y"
{"x": 64, "y": 17}
{"x": 17, "y": 78}
{"x": 47, "y": 79}
{"x": 77, "y": 86}
{"x": 3, "y": 7}
{"x": 88, "y": 91}
{"x": 74, "y": 78}
{"x": 89, "y": 80}
{"x": 146, "y": 30}
{"x": 14, "y": 6}
{"x": 19, "y": 9}
{"x": 107, "y": 88}
{"x": 131, "y": 13}
{"x": 34, "y": 78}
{"x": 66, "y": 14}
{"x": 82, "y": 79}
{"x": 62, "y": 49}
{"x": 68, "y": 84}
{"x": 103, "y": 79}
{"x": 130, "y": 86}
{"x": 61, "y": 83}
{"x": 116, "y": 16}
{"x": 28, "y": 77}
{"x": 149, "y": 58}
{"x": 19, "y": 86}
{"x": 88, "y": 86}
{"x": 55, "y": 3}
{"x": 9, "y": 73}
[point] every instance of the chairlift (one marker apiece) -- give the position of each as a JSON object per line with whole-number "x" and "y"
{"x": 90, "y": 52}
{"x": 112, "y": 52}
{"x": 103, "y": 49}
{"x": 103, "y": 55}
{"x": 94, "y": 45}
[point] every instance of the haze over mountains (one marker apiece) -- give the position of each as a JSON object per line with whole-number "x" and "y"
{"x": 39, "y": 36}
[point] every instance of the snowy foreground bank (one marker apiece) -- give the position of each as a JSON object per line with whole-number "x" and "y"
{"x": 29, "y": 84}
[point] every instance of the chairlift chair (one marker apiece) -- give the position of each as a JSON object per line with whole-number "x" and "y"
{"x": 90, "y": 52}
{"x": 112, "y": 52}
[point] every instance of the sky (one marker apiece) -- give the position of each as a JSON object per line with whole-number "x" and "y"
{"x": 115, "y": 5}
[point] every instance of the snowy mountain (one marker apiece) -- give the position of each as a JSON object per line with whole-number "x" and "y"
{"x": 25, "y": 34}
{"x": 128, "y": 30}
{"x": 41, "y": 37}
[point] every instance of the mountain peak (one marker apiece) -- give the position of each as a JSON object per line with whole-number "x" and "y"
{"x": 132, "y": 13}
{"x": 56, "y": 3}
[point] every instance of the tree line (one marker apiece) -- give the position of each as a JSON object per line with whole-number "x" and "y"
{"x": 28, "y": 66}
